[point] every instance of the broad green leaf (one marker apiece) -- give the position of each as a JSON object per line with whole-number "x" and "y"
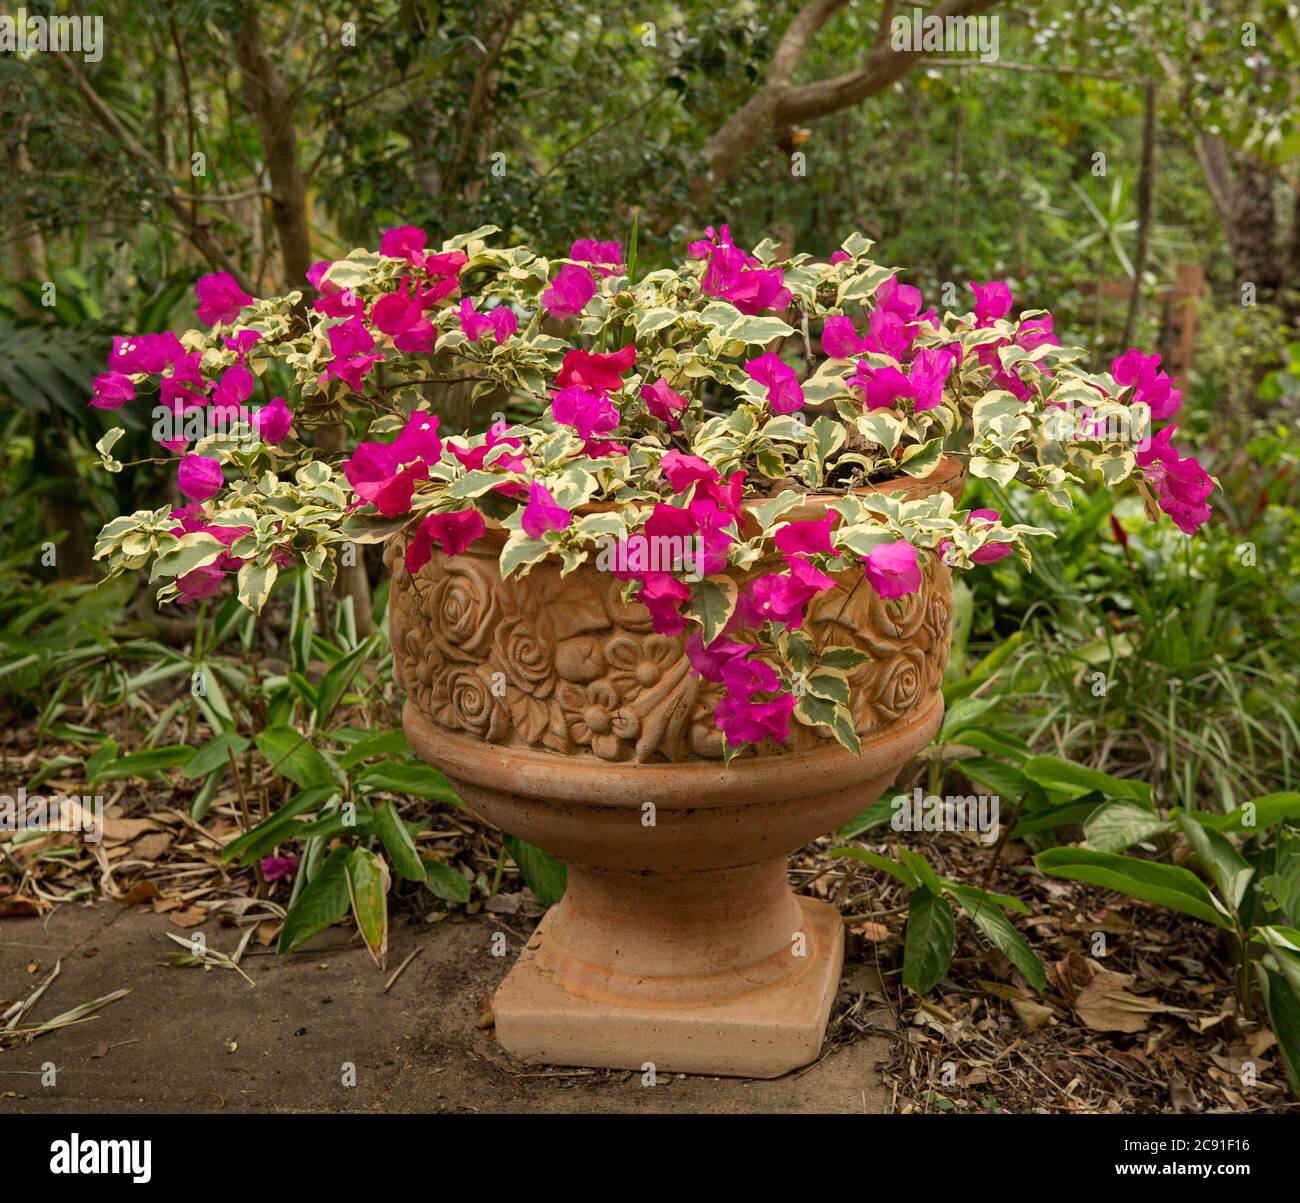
{"x": 367, "y": 880}
{"x": 323, "y": 902}
{"x": 1168, "y": 885}
{"x": 388, "y": 826}
{"x": 339, "y": 679}
{"x": 1255, "y": 816}
{"x": 1114, "y": 826}
{"x": 445, "y": 882}
{"x": 292, "y": 755}
{"x": 883, "y": 863}
{"x": 1283, "y": 1006}
{"x": 419, "y": 780}
{"x": 927, "y": 948}
{"x": 377, "y": 743}
{"x": 546, "y": 876}
{"x": 1069, "y": 778}
{"x": 1222, "y": 863}
{"x": 272, "y": 830}
{"x": 141, "y": 764}
{"x": 922, "y": 868}
{"x": 214, "y": 754}
{"x": 1000, "y": 933}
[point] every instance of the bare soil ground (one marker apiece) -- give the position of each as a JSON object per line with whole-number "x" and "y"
{"x": 198, "y": 1040}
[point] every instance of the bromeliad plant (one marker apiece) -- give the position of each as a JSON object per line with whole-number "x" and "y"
{"x": 664, "y": 404}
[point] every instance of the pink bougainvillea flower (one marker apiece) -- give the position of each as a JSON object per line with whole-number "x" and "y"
{"x": 145, "y": 352}
{"x": 542, "y": 514}
{"x": 838, "y": 257}
{"x": 274, "y": 420}
{"x": 568, "y": 294}
{"x": 881, "y": 386}
{"x": 453, "y": 533}
{"x": 419, "y": 337}
{"x": 501, "y": 321}
{"x": 1182, "y": 486}
{"x": 784, "y": 392}
{"x": 892, "y": 569}
{"x": 662, "y": 594}
{"x": 243, "y": 342}
{"x": 588, "y": 411}
{"x": 112, "y": 390}
{"x": 234, "y": 388}
{"x": 992, "y": 301}
{"x": 811, "y": 537}
{"x": 746, "y": 677}
{"x": 402, "y": 242}
{"x": 375, "y": 478}
{"x": 475, "y": 457}
{"x": 418, "y": 440}
{"x": 1037, "y": 332}
{"x": 927, "y": 375}
{"x": 738, "y": 277}
{"x": 756, "y": 289}
{"x": 727, "y": 494}
{"x": 276, "y": 867}
{"x": 1150, "y": 386}
{"x": 990, "y": 553}
{"x": 592, "y": 369}
{"x": 781, "y": 597}
{"x": 664, "y": 402}
{"x": 708, "y": 662}
{"x": 199, "y": 477}
{"x": 701, "y": 248}
{"x": 220, "y": 298}
{"x": 922, "y": 384}
{"x": 350, "y": 338}
{"x": 682, "y": 471}
{"x": 203, "y": 582}
{"x": 350, "y": 371}
{"x": 901, "y": 300}
{"x": 394, "y": 313}
{"x": 444, "y": 264}
{"x": 605, "y": 257}
{"x": 840, "y": 340}
{"x": 316, "y": 274}
{"x": 744, "y": 721}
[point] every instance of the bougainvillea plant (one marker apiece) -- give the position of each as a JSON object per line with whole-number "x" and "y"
{"x": 739, "y": 379}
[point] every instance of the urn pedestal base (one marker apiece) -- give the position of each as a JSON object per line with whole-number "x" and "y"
{"x": 757, "y": 1021}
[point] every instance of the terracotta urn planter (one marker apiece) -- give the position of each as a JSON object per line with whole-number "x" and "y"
{"x": 563, "y": 719}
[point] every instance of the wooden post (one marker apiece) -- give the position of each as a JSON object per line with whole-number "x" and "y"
{"x": 1180, "y": 321}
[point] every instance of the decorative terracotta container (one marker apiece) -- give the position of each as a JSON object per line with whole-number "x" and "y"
{"x": 563, "y": 719}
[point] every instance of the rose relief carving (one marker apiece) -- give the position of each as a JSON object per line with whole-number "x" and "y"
{"x": 564, "y": 664}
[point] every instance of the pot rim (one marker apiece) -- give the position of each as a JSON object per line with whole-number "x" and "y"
{"x": 754, "y": 780}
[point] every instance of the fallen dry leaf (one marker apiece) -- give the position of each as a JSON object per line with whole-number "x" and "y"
{"x": 142, "y": 891}
{"x": 151, "y": 845}
{"x": 17, "y": 906}
{"x": 1105, "y": 1006}
{"x": 118, "y": 830}
{"x": 191, "y": 916}
{"x": 875, "y": 932}
{"x": 1035, "y": 1016}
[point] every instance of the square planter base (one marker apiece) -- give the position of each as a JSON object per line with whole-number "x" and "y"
{"x": 745, "y": 1030}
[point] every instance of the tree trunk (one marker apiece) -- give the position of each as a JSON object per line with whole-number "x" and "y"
{"x": 268, "y": 96}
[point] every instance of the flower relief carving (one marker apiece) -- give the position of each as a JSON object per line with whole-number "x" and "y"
{"x": 564, "y": 664}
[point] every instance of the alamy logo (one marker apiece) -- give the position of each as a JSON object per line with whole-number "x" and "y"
{"x": 955, "y": 812}
{"x": 929, "y": 33}
{"x": 67, "y": 813}
{"x": 77, "y": 1156}
{"x": 83, "y": 35}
